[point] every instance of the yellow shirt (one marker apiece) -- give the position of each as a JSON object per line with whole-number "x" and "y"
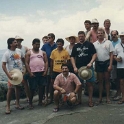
{"x": 59, "y": 58}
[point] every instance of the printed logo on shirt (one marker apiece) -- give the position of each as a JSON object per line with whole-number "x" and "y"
{"x": 82, "y": 51}
{"x": 59, "y": 62}
{"x": 39, "y": 56}
{"x": 16, "y": 60}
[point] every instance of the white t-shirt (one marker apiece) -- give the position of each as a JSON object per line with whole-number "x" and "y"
{"x": 103, "y": 50}
{"x": 68, "y": 49}
{"x": 119, "y": 51}
{"x": 23, "y": 49}
{"x": 13, "y": 59}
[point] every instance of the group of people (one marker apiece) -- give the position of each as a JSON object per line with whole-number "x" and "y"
{"x": 54, "y": 69}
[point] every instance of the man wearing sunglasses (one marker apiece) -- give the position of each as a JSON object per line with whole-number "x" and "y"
{"x": 119, "y": 57}
{"x": 115, "y": 83}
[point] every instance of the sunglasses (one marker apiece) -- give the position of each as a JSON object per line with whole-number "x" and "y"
{"x": 114, "y": 34}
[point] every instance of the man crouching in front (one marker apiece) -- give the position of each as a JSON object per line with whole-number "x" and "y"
{"x": 67, "y": 84}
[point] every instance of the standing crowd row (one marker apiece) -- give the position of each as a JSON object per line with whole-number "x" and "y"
{"x": 54, "y": 69}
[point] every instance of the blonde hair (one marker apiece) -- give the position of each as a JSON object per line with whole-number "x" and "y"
{"x": 101, "y": 29}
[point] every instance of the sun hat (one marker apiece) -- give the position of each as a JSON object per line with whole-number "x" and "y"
{"x": 94, "y": 21}
{"x": 17, "y": 77}
{"x": 122, "y": 33}
{"x": 84, "y": 73}
{"x": 76, "y": 38}
{"x": 18, "y": 38}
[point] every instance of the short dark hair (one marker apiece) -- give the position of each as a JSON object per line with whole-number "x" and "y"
{"x": 87, "y": 21}
{"x": 115, "y": 31}
{"x": 45, "y": 37}
{"x": 51, "y": 35}
{"x": 81, "y": 32}
{"x": 60, "y": 40}
{"x": 36, "y": 40}
{"x": 65, "y": 64}
{"x": 10, "y": 41}
{"x": 107, "y": 20}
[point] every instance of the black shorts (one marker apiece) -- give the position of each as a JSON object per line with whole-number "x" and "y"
{"x": 38, "y": 80}
{"x": 54, "y": 74}
{"x": 102, "y": 66}
{"x": 120, "y": 73}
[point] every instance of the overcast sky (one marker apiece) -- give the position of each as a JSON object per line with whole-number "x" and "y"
{"x": 31, "y": 19}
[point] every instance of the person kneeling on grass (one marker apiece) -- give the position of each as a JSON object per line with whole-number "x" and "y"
{"x": 66, "y": 83}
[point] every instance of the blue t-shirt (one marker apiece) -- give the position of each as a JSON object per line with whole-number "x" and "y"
{"x": 115, "y": 43}
{"x": 48, "y": 49}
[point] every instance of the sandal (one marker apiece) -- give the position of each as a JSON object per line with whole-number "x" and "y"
{"x": 7, "y": 112}
{"x": 90, "y": 104}
{"x": 121, "y": 102}
{"x": 55, "y": 109}
{"x": 99, "y": 102}
{"x": 45, "y": 103}
{"x": 30, "y": 106}
{"x": 77, "y": 103}
{"x": 19, "y": 107}
{"x": 108, "y": 102}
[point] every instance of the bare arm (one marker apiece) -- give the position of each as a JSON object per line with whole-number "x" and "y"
{"x": 56, "y": 87}
{"x": 77, "y": 83}
{"x": 117, "y": 59}
{"x": 5, "y": 70}
{"x": 74, "y": 64}
{"x": 88, "y": 35}
{"x": 46, "y": 63}
{"x": 51, "y": 66}
{"x": 77, "y": 88}
{"x": 111, "y": 60}
{"x": 92, "y": 60}
{"x": 27, "y": 60}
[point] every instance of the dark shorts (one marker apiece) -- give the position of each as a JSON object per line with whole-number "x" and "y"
{"x": 120, "y": 73}
{"x": 38, "y": 80}
{"x": 102, "y": 66}
{"x": 54, "y": 74}
{"x": 91, "y": 80}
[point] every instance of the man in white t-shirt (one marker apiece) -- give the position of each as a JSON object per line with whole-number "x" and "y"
{"x": 12, "y": 59}
{"x": 119, "y": 57}
{"x": 24, "y": 50}
{"x": 103, "y": 64}
{"x": 72, "y": 41}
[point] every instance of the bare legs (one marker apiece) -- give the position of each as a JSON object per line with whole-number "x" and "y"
{"x": 101, "y": 77}
{"x": 72, "y": 98}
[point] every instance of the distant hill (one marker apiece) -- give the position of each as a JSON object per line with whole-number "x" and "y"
{"x": 2, "y": 51}
{"x": 2, "y": 74}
